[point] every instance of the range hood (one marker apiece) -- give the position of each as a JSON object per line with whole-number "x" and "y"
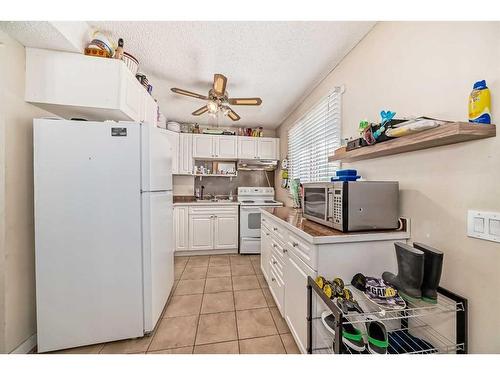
{"x": 257, "y": 165}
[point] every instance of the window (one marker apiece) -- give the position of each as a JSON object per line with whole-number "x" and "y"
{"x": 313, "y": 138}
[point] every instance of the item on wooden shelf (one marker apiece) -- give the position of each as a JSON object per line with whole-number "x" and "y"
{"x": 351, "y": 336}
{"x": 408, "y": 281}
{"x": 433, "y": 265}
{"x": 131, "y": 62}
{"x": 413, "y": 126}
{"x": 377, "y": 336}
{"x": 174, "y": 126}
{"x": 96, "y": 52}
{"x": 119, "y": 50}
{"x": 345, "y": 175}
{"x": 480, "y": 103}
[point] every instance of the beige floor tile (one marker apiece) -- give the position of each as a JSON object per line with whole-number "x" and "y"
{"x": 242, "y": 270}
{"x": 255, "y": 258}
{"x": 218, "y": 271}
{"x": 230, "y": 347}
{"x": 194, "y": 273}
{"x": 262, "y": 345}
{"x": 183, "y": 350}
{"x": 138, "y": 345}
{"x": 240, "y": 260}
{"x": 262, "y": 281}
{"x": 249, "y": 299}
{"x": 289, "y": 343}
{"x": 174, "y": 333}
{"x": 256, "y": 268}
{"x": 89, "y": 349}
{"x": 245, "y": 282}
{"x": 280, "y": 323}
{"x": 198, "y": 261}
{"x": 218, "y": 327}
{"x": 218, "y": 284}
{"x": 186, "y": 287}
{"x": 217, "y": 302}
{"x": 269, "y": 298}
{"x": 178, "y": 269}
{"x": 219, "y": 260}
{"x": 180, "y": 260}
{"x": 255, "y": 323}
{"x": 183, "y": 306}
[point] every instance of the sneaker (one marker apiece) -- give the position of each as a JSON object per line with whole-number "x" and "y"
{"x": 376, "y": 332}
{"x": 351, "y": 336}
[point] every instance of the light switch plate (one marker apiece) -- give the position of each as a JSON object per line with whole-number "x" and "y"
{"x": 484, "y": 225}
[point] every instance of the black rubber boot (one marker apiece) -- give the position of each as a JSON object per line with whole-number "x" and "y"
{"x": 410, "y": 272}
{"x": 433, "y": 265}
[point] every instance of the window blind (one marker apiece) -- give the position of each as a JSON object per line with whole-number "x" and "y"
{"x": 313, "y": 138}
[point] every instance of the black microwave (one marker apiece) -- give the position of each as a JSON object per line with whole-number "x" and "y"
{"x": 352, "y": 206}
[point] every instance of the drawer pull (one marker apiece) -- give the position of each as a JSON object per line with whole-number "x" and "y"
{"x": 285, "y": 251}
{"x": 295, "y": 244}
{"x": 275, "y": 229}
{"x": 274, "y": 262}
{"x": 273, "y": 279}
{"x": 274, "y": 245}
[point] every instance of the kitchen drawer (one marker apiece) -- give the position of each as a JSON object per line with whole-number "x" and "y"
{"x": 278, "y": 250}
{"x": 305, "y": 251}
{"x": 277, "y": 289}
{"x": 279, "y": 231}
{"x": 213, "y": 210}
{"x": 276, "y": 264}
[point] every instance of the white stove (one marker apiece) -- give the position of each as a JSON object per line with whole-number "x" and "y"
{"x": 251, "y": 200}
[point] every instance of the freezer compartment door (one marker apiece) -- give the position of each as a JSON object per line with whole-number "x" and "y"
{"x": 158, "y": 254}
{"x": 87, "y": 232}
{"x": 156, "y": 159}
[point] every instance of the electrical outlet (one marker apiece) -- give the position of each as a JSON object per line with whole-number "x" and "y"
{"x": 483, "y": 225}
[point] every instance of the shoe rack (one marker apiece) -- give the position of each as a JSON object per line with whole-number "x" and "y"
{"x": 442, "y": 325}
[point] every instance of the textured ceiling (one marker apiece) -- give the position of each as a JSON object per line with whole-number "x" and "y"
{"x": 278, "y": 61}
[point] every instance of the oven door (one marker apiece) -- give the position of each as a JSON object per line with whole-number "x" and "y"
{"x": 315, "y": 202}
{"x": 250, "y": 221}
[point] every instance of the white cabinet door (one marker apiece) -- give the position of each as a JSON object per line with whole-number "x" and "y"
{"x": 226, "y": 147}
{"x": 173, "y": 139}
{"x": 181, "y": 225}
{"x": 201, "y": 232}
{"x": 265, "y": 251}
{"x": 203, "y": 146}
{"x": 295, "y": 275}
{"x": 185, "y": 153}
{"x": 247, "y": 148}
{"x": 226, "y": 231}
{"x": 267, "y": 148}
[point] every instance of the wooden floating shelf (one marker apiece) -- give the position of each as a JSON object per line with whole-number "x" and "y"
{"x": 446, "y": 134}
{"x": 215, "y": 175}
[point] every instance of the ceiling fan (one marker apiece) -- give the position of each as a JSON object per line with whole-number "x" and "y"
{"x": 217, "y": 99}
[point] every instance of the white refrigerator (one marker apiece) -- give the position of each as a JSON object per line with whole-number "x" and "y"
{"x": 103, "y": 230}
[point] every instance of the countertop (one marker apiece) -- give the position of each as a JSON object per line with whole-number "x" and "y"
{"x": 189, "y": 200}
{"x": 321, "y": 234}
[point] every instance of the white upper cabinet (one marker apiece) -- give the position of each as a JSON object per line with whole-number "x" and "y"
{"x": 226, "y": 147}
{"x": 185, "y": 153}
{"x": 258, "y": 148}
{"x": 173, "y": 139}
{"x": 215, "y": 147}
{"x": 95, "y": 88}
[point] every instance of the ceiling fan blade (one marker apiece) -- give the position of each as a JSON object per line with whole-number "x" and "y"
{"x": 233, "y": 115}
{"x": 220, "y": 82}
{"x": 188, "y": 93}
{"x": 245, "y": 101}
{"x": 200, "y": 111}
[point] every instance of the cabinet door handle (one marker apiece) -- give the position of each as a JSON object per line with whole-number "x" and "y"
{"x": 274, "y": 245}
{"x": 295, "y": 244}
{"x": 274, "y": 262}
{"x": 273, "y": 279}
{"x": 285, "y": 251}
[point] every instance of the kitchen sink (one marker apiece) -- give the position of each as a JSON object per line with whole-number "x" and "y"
{"x": 215, "y": 200}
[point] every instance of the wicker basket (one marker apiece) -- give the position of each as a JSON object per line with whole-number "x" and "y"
{"x": 131, "y": 62}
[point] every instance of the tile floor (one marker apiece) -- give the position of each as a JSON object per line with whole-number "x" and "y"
{"x": 220, "y": 304}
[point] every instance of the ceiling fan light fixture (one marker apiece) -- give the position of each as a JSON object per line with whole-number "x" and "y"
{"x": 212, "y": 107}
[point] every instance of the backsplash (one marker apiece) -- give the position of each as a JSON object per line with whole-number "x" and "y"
{"x": 224, "y": 185}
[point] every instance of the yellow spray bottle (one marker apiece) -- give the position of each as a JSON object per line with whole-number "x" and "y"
{"x": 480, "y": 103}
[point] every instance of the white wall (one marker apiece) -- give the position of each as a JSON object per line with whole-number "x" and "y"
{"x": 425, "y": 68}
{"x": 17, "y": 248}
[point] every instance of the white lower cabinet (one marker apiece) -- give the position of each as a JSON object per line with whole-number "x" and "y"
{"x": 296, "y": 273}
{"x": 265, "y": 251}
{"x": 181, "y": 228}
{"x": 206, "y": 228}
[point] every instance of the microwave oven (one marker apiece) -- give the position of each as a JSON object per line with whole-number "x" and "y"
{"x": 352, "y": 206}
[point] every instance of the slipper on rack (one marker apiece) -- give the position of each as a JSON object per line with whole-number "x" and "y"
{"x": 351, "y": 336}
{"x": 376, "y": 332}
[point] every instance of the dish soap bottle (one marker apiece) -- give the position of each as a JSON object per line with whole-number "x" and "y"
{"x": 479, "y": 103}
